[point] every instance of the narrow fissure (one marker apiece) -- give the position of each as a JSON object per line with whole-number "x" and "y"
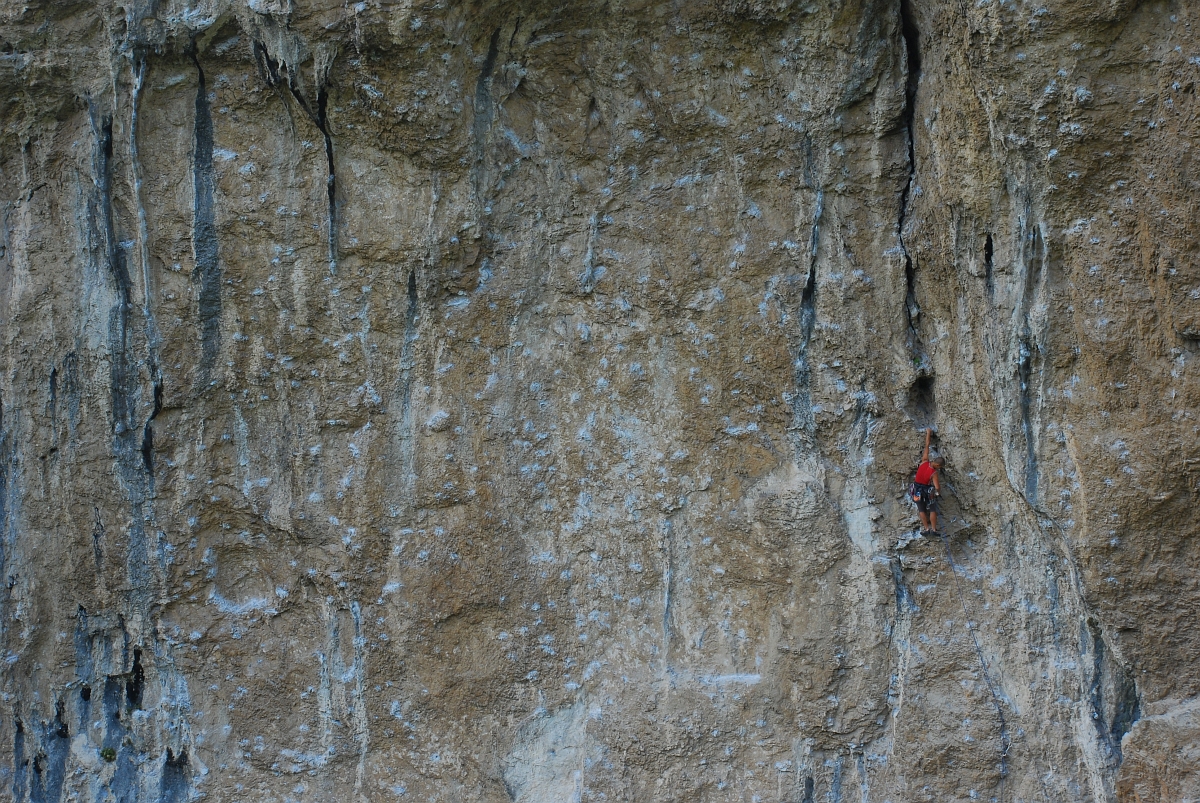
{"x": 319, "y": 114}
{"x": 808, "y": 319}
{"x": 989, "y": 266}
{"x": 148, "y": 429}
{"x": 123, "y": 373}
{"x": 98, "y": 538}
{"x": 319, "y": 117}
{"x": 407, "y": 368}
{"x": 483, "y": 94}
{"x": 802, "y": 406}
{"x": 50, "y": 763}
{"x": 204, "y": 230}
{"x": 137, "y": 682}
{"x": 1111, "y": 725}
{"x": 668, "y": 587}
{"x": 113, "y": 257}
{"x": 138, "y": 69}
{"x": 20, "y": 762}
{"x": 331, "y": 181}
{"x": 912, "y": 40}
{"x": 1025, "y": 366}
{"x": 1024, "y": 375}
{"x": 410, "y": 336}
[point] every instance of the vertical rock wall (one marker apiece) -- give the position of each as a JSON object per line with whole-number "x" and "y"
{"x": 515, "y": 401}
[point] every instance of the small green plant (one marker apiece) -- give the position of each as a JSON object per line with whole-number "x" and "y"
{"x": 108, "y": 754}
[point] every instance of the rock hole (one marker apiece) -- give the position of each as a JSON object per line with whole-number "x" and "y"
{"x": 174, "y": 777}
{"x": 60, "y": 727}
{"x": 85, "y": 693}
{"x": 148, "y": 449}
{"x": 136, "y": 683}
{"x": 922, "y": 403}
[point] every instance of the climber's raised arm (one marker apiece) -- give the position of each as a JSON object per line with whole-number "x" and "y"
{"x": 928, "y": 435}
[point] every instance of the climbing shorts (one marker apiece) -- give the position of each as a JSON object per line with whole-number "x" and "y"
{"x": 923, "y": 497}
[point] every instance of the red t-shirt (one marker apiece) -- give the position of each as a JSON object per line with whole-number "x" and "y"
{"x": 925, "y": 473}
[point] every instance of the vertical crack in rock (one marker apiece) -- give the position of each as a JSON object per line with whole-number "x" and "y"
{"x": 204, "y": 231}
{"x": 483, "y": 112}
{"x": 900, "y": 635}
{"x": 480, "y": 124}
{"x": 20, "y": 762}
{"x": 84, "y": 668}
{"x": 53, "y": 406}
{"x": 124, "y": 382}
{"x": 148, "y": 429}
{"x": 912, "y": 61}
{"x": 362, "y": 726}
{"x": 98, "y": 539}
{"x": 592, "y": 272}
{"x": 905, "y": 604}
{"x": 1113, "y": 695}
{"x": 668, "y": 582}
{"x": 115, "y": 733}
{"x": 322, "y": 120}
{"x": 106, "y": 248}
{"x": 318, "y": 113}
{"x": 1028, "y": 354}
{"x": 138, "y": 68}
{"x": 802, "y": 406}
{"x": 989, "y": 266}
{"x": 132, "y": 443}
{"x": 50, "y": 763}
{"x": 72, "y": 389}
{"x": 407, "y": 368}
{"x": 7, "y": 466}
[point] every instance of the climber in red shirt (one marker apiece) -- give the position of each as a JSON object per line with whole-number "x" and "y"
{"x": 926, "y": 488}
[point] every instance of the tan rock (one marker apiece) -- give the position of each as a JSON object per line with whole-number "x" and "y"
{"x": 516, "y": 401}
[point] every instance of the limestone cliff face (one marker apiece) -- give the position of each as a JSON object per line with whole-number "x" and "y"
{"x": 515, "y": 400}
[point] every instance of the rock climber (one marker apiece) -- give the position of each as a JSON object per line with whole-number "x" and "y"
{"x": 926, "y": 488}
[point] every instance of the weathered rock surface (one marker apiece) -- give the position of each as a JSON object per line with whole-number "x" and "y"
{"x": 514, "y": 401}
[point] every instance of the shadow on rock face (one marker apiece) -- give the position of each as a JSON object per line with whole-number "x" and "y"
{"x": 922, "y": 404}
